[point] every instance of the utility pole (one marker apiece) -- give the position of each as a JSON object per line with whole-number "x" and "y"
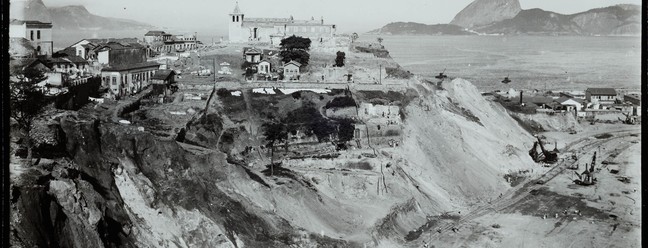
{"x": 214, "y": 72}
{"x": 380, "y": 74}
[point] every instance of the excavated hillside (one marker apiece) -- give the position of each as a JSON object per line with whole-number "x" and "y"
{"x": 121, "y": 186}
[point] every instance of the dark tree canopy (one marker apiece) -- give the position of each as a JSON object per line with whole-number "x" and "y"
{"x": 295, "y": 48}
{"x": 345, "y": 130}
{"x": 275, "y": 132}
{"x": 295, "y": 42}
{"x": 339, "y": 59}
{"x": 300, "y": 56}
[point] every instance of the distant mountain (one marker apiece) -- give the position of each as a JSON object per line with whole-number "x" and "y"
{"x": 483, "y": 12}
{"x": 614, "y": 20}
{"x": 413, "y": 28}
{"x": 29, "y": 10}
{"x": 70, "y": 17}
{"x": 79, "y": 18}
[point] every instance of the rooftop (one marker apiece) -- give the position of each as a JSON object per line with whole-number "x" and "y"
{"x": 154, "y": 33}
{"x": 126, "y": 67}
{"x": 163, "y": 74}
{"x": 602, "y": 91}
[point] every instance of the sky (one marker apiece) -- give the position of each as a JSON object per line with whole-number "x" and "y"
{"x": 348, "y": 15}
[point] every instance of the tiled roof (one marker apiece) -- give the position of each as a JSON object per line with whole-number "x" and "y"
{"x": 154, "y": 33}
{"x": 602, "y": 91}
{"x": 293, "y": 63}
{"x": 125, "y": 67}
{"x": 163, "y": 74}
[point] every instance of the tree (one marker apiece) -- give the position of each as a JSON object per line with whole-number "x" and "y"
{"x": 380, "y": 40}
{"x": 27, "y": 101}
{"x": 339, "y": 60}
{"x": 274, "y": 132}
{"x": 295, "y": 48}
{"x": 300, "y": 56}
{"x": 295, "y": 43}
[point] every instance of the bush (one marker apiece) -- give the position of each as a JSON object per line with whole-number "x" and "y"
{"x": 339, "y": 59}
{"x": 296, "y": 94}
{"x": 222, "y": 92}
{"x": 341, "y": 102}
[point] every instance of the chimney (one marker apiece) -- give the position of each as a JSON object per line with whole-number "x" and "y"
{"x": 521, "y": 97}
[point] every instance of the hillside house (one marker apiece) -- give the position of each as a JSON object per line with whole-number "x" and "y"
{"x": 39, "y": 34}
{"x": 604, "y": 96}
{"x": 119, "y": 53}
{"x": 264, "y": 67}
{"x": 252, "y": 55}
{"x": 72, "y": 65}
{"x": 123, "y": 80}
{"x": 163, "y": 82}
{"x": 291, "y": 70}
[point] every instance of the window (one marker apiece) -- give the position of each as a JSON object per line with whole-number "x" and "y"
{"x": 114, "y": 81}
{"x": 31, "y": 35}
{"x": 38, "y": 34}
{"x": 237, "y": 19}
{"x": 233, "y": 19}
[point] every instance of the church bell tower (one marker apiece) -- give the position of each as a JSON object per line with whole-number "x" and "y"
{"x": 236, "y": 25}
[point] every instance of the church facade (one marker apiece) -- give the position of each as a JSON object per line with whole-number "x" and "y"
{"x": 272, "y": 30}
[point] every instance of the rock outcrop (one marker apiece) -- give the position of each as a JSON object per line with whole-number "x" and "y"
{"x": 483, "y": 12}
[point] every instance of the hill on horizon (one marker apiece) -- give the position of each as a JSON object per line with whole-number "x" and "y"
{"x": 73, "y": 17}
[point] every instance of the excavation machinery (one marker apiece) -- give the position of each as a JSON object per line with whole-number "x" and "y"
{"x": 545, "y": 156}
{"x": 587, "y": 178}
{"x": 630, "y": 119}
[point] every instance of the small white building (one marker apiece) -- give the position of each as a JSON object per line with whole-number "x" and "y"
{"x": 264, "y": 67}
{"x": 252, "y": 55}
{"x": 291, "y": 70}
{"x": 570, "y": 104}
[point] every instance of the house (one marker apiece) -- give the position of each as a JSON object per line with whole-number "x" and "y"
{"x": 72, "y": 65}
{"x": 601, "y": 95}
{"x": 39, "y": 34}
{"x": 272, "y": 30}
{"x": 635, "y": 99}
{"x": 152, "y": 36}
{"x": 252, "y": 55}
{"x": 89, "y": 49}
{"x": 17, "y": 67}
{"x": 119, "y": 53}
{"x": 264, "y": 67}
{"x": 291, "y": 70}
{"x": 128, "y": 79}
{"x": 163, "y": 82}
{"x": 570, "y": 104}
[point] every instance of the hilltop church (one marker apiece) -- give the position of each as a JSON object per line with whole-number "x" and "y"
{"x": 272, "y": 30}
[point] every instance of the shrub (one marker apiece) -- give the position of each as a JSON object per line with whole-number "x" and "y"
{"x": 222, "y": 92}
{"x": 341, "y": 102}
{"x": 296, "y": 94}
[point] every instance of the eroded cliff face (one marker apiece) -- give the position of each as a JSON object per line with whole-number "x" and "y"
{"x": 483, "y": 12}
{"x": 126, "y": 188}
